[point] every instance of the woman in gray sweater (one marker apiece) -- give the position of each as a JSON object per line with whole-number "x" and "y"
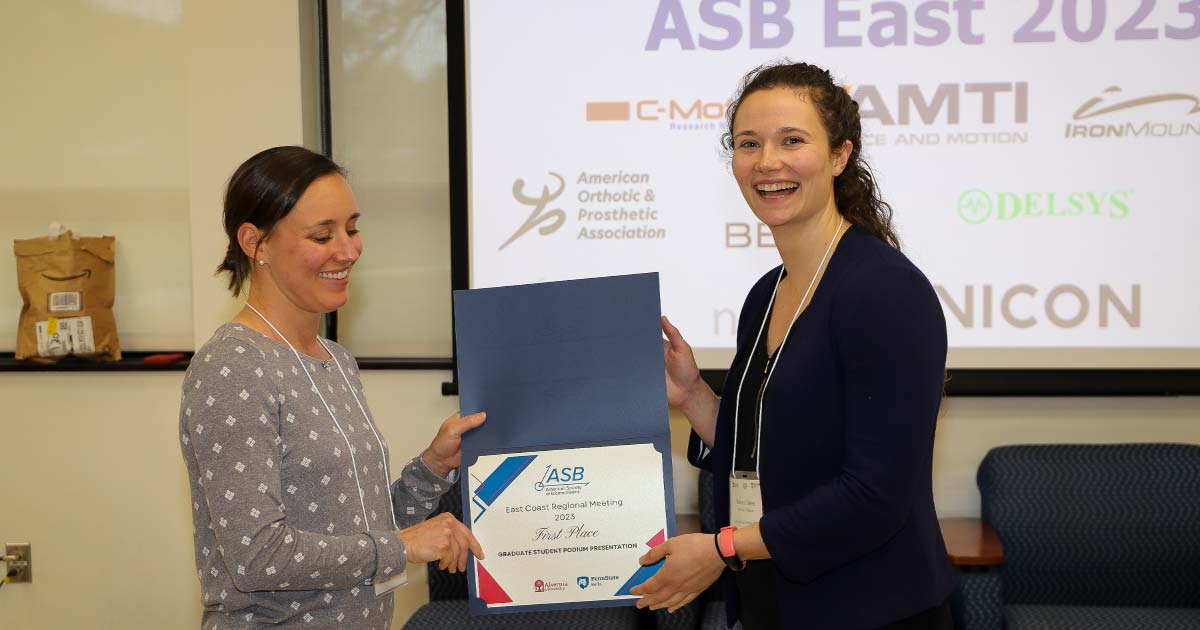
{"x": 296, "y": 519}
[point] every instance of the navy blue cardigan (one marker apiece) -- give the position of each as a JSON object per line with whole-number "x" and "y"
{"x": 847, "y": 444}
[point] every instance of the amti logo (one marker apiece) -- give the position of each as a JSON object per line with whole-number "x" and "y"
{"x": 991, "y": 112}
{"x": 556, "y": 217}
{"x": 948, "y": 103}
{"x": 560, "y": 477}
{"x": 1180, "y": 119}
{"x": 976, "y": 206}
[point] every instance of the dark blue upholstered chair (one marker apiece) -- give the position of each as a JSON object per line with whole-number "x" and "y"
{"x": 1095, "y": 537}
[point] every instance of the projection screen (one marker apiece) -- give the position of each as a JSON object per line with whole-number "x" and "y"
{"x": 1040, "y": 156}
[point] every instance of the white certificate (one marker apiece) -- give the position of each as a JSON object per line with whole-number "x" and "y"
{"x": 566, "y": 526}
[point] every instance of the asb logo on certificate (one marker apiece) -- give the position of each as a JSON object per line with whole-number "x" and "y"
{"x": 564, "y": 480}
{"x": 544, "y": 515}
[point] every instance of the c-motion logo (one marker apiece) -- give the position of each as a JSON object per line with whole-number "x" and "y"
{"x": 555, "y": 217}
{"x": 1181, "y": 123}
{"x": 678, "y": 113}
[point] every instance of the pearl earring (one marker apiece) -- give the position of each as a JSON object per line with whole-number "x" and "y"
{"x": 262, "y": 262}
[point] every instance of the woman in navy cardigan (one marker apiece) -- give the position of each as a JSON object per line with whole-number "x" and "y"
{"x": 822, "y": 445}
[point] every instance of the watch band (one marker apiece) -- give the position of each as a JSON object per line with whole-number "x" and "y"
{"x": 725, "y": 549}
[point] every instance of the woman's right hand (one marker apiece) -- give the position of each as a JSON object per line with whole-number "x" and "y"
{"x": 441, "y": 538}
{"x": 683, "y": 375}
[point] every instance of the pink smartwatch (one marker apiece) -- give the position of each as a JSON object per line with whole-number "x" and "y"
{"x": 724, "y": 540}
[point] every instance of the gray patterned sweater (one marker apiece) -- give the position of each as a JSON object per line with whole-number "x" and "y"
{"x": 290, "y": 509}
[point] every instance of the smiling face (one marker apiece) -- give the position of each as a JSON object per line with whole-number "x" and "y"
{"x": 782, "y": 160}
{"x": 310, "y": 251}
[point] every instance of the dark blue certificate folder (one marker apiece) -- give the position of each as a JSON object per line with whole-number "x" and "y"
{"x": 569, "y": 364}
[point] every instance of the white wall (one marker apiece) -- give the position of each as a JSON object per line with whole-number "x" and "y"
{"x": 95, "y": 136}
{"x": 244, "y": 95}
{"x": 91, "y": 472}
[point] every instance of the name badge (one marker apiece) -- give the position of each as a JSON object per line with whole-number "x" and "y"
{"x": 745, "y": 499}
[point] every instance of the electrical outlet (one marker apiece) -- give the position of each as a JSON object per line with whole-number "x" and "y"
{"x": 24, "y": 565}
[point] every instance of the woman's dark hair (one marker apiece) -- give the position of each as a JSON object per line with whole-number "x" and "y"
{"x": 263, "y": 190}
{"x": 855, "y": 189}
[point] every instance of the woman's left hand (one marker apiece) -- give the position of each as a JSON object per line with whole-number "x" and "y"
{"x": 692, "y": 565}
{"x": 445, "y": 451}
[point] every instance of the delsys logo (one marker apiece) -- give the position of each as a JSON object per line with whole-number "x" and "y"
{"x": 540, "y": 215}
{"x": 976, "y": 206}
{"x": 1179, "y": 123}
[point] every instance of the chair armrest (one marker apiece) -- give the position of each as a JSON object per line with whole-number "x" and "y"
{"x": 970, "y": 542}
{"x": 978, "y": 604}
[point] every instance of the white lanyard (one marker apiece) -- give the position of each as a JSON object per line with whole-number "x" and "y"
{"x": 738, "y": 394}
{"x": 387, "y": 477}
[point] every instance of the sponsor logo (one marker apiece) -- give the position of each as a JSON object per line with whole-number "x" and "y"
{"x": 617, "y": 205}
{"x": 976, "y": 206}
{"x": 947, "y": 103}
{"x": 547, "y": 586}
{"x": 1028, "y": 306}
{"x": 556, "y": 217}
{"x": 994, "y": 112}
{"x": 678, "y": 114}
{"x": 1165, "y": 115}
{"x": 741, "y": 235}
{"x": 1087, "y": 110}
{"x": 594, "y": 581}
